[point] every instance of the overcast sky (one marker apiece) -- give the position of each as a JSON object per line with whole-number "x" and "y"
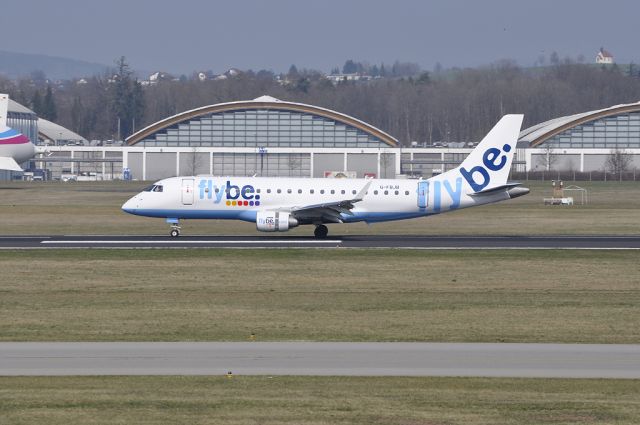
{"x": 185, "y": 35}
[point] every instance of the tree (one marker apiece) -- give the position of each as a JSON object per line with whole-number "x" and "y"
{"x": 303, "y": 84}
{"x": 193, "y": 162}
{"x": 49, "y": 110}
{"x": 36, "y": 103}
{"x": 293, "y": 71}
{"x": 548, "y": 159}
{"x": 126, "y": 99}
{"x": 424, "y": 78}
{"x": 76, "y": 114}
{"x": 349, "y": 67}
{"x": 618, "y": 161}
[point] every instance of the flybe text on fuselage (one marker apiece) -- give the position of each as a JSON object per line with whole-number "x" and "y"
{"x": 209, "y": 190}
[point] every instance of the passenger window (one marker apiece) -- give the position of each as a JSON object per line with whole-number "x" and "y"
{"x": 288, "y": 190}
{"x": 333, "y": 191}
{"x": 386, "y": 192}
{"x": 342, "y": 191}
{"x": 257, "y": 190}
{"x": 279, "y": 191}
{"x": 397, "y": 193}
{"x": 268, "y": 190}
{"x": 217, "y": 190}
{"x": 406, "y": 192}
{"x": 375, "y": 192}
{"x": 353, "y": 192}
{"x": 299, "y": 190}
{"x": 322, "y": 191}
{"x": 311, "y": 191}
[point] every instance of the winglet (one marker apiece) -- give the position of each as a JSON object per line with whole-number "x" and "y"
{"x": 360, "y": 196}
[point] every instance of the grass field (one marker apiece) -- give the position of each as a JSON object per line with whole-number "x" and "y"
{"x": 320, "y": 295}
{"x": 94, "y": 208}
{"x": 317, "y": 400}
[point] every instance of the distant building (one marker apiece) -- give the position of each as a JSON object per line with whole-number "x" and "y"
{"x": 337, "y": 78}
{"x": 156, "y": 77}
{"x": 604, "y": 56}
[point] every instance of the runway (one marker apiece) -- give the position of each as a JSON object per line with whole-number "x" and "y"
{"x": 338, "y": 241}
{"x": 320, "y": 359}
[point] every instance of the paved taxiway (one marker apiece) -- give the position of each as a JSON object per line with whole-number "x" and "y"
{"x": 345, "y": 241}
{"x": 320, "y": 358}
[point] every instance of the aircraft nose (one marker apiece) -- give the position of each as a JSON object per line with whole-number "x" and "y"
{"x": 130, "y": 206}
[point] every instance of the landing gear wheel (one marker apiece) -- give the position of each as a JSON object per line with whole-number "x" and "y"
{"x": 174, "y": 233}
{"x": 321, "y": 231}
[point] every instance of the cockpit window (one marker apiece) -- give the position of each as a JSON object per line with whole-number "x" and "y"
{"x": 153, "y": 188}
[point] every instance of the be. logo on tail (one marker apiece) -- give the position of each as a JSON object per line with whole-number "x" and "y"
{"x": 491, "y": 159}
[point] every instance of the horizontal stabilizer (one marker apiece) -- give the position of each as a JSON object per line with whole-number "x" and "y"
{"x": 495, "y": 189}
{"x": 10, "y": 164}
{"x": 512, "y": 189}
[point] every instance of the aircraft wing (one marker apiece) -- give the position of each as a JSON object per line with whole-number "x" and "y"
{"x": 330, "y": 211}
{"x": 8, "y": 163}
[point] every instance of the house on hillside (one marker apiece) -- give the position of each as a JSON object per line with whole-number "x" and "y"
{"x": 604, "y": 56}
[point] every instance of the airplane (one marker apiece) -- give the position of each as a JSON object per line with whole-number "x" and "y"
{"x": 277, "y": 204}
{"x": 15, "y": 147}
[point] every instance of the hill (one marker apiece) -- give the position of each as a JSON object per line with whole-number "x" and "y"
{"x": 15, "y": 65}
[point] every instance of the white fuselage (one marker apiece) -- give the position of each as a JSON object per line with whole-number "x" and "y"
{"x": 277, "y": 204}
{"x": 240, "y": 198}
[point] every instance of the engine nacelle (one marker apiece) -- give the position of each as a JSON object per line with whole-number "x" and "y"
{"x": 275, "y": 221}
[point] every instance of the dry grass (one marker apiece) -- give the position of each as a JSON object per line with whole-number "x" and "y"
{"x": 317, "y": 400}
{"x": 94, "y": 208}
{"x": 322, "y": 295}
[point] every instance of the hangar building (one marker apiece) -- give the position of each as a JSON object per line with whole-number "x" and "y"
{"x": 264, "y": 136}
{"x": 270, "y": 137}
{"x": 583, "y": 141}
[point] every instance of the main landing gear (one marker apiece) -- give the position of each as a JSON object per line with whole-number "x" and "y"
{"x": 175, "y": 227}
{"x": 321, "y": 231}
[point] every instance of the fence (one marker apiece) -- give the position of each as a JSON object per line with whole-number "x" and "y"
{"x": 626, "y": 176}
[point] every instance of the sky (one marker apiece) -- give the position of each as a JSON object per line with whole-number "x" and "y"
{"x": 187, "y": 35}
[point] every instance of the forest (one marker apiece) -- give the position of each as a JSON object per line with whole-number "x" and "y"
{"x": 452, "y": 105}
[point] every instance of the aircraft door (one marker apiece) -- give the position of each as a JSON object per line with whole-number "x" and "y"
{"x": 187, "y": 191}
{"x": 423, "y": 193}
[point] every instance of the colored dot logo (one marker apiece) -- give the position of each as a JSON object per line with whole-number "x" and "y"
{"x": 243, "y": 203}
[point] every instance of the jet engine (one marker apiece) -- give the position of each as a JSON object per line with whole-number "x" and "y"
{"x": 275, "y": 221}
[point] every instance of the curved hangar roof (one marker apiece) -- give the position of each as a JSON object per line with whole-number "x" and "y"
{"x": 265, "y": 121}
{"x": 580, "y": 129}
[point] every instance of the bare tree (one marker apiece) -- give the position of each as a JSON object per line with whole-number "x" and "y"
{"x": 294, "y": 162}
{"x": 193, "y": 161}
{"x": 618, "y": 161}
{"x": 548, "y": 159}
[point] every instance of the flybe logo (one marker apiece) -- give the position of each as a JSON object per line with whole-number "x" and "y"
{"x": 232, "y": 194}
{"x": 478, "y": 177}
